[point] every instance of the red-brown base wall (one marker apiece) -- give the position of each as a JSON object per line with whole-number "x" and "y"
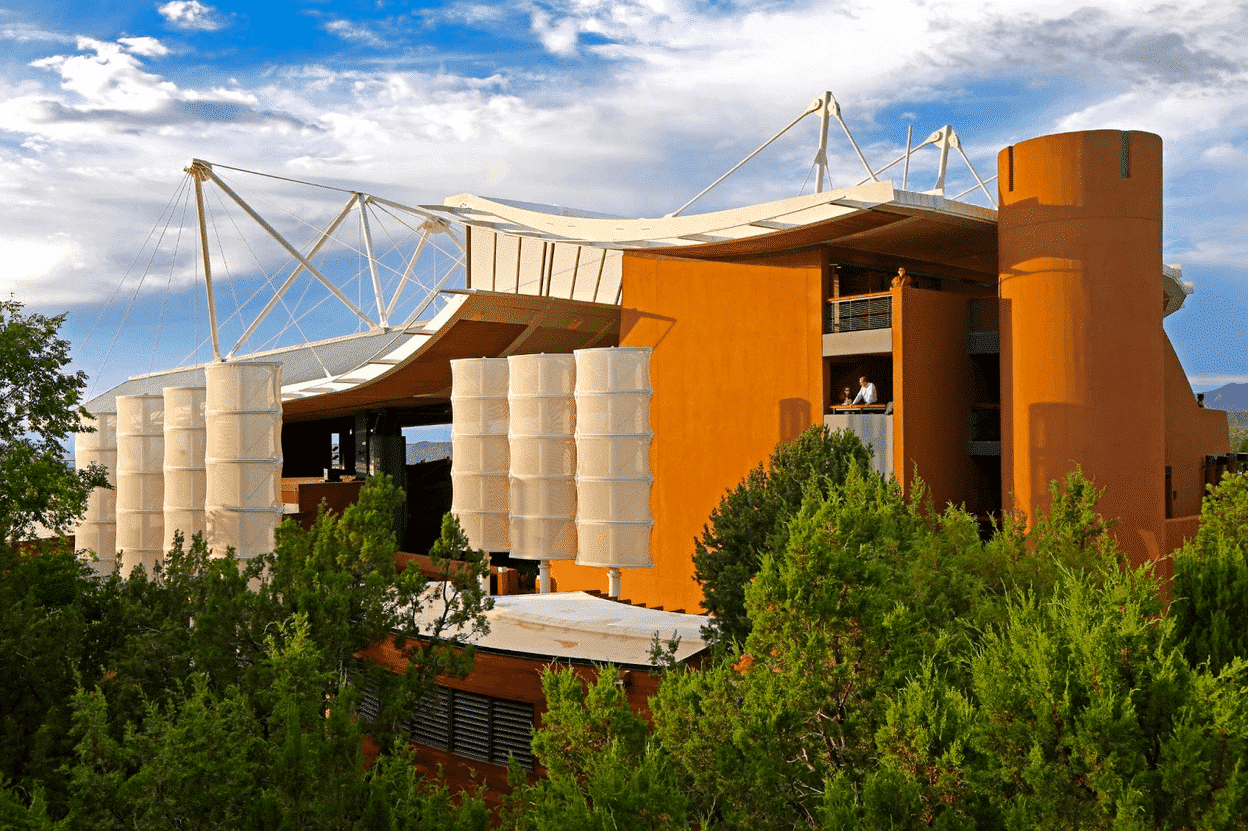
{"x": 736, "y": 369}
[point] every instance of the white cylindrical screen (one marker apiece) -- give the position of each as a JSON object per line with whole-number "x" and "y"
{"x": 479, "y": 451}
{"x": 613, "y": 477}
{"x": 97, "y": 533}
{"x": 185, "y": 477}
{"x": 243, "y": 457}
{"x": 140, "y": 481}
{"x": 543, "y": 456}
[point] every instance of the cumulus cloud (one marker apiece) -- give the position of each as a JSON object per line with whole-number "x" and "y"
{"x": 144, "y": 47}
{"x": 114, "y": 93}
{"x": 191, "y": 15}
{"x": 558, "y": 36}
{"x": 28, "y": 262}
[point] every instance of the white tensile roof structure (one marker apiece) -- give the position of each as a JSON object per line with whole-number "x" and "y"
{"x": 539, "y": 278}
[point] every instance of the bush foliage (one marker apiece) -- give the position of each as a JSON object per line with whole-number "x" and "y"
{"x": 893, "y": 671}
{"x": 879, "y": 666}
{"x": 208, "y": 698}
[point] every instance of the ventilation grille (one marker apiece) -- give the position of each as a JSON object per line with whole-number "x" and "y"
{"x": 475, "y": 726}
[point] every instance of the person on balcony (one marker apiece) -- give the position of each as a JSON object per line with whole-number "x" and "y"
{"x": 847, "y": 396}
{"x": 866, "y": 392}
{"x": 902, "y": 279}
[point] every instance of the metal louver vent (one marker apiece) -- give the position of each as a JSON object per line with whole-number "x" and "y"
{"x": 513, "y": 733}
{"x": 369, "y": 704}
{"x": 430, "y": 725}
{"x": 474, "y": 725}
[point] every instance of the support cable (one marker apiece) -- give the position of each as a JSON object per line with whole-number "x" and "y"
{"x": 164, "y": 305}
{"x": 169, "y": 207}
{"x": 268, "y": 281}
{"x": 130, "y": 306}
{"x": 811, "y": 108}
{"x": 273, "y": 233}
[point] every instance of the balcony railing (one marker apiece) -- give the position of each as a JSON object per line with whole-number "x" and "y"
{"x": 859, "y": 313}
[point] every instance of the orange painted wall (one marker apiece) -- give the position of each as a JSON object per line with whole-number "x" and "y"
{"x": 1081, "y": 342}
{"x": 1192, "y": 433}
{"x": 933, "y": 384}
{"x": 1178, "y": 531}
{"x": 736, "y": 369}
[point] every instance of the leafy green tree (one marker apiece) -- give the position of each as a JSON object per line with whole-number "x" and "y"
{"x": 601, "y": 771}
{"x": 341, "y": 575}
{"x": 40, "y": 405}
{"x": 47, "y": 603}
{"x": 870, "y": 594}
{"x": 1076, "y": 693}
{"x": 202, "y": 689}
{"x": 750, "y": 521}
{"x": 1210, "y": 605}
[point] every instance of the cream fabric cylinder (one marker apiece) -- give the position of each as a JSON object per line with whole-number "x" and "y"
{"x": 543, "y": 456}
{"x": 479, "y": 452}
{"x": 243, "y": 457}
{"x": 97, "y": 533}
{"x": 185, "y": 477}
{"x": 613, "y": 476}
{"x": 140, "y": 481}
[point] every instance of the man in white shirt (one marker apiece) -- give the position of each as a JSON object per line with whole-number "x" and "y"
{"x": 866, "y": 392}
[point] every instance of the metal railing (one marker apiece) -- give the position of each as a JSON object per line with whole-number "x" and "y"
{"x": 859, "y": 313}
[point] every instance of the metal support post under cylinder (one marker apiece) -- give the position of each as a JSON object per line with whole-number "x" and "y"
{"x": 543, "y": 576}
{"x": 613, "y": 583}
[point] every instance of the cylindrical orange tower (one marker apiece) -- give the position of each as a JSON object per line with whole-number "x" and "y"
{"x": 1081, "y": 342}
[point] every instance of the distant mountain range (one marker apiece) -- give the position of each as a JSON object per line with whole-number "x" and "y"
{"x": 1233, "y": 397}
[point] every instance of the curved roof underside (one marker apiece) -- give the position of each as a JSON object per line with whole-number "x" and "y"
{"x": 410, "y": 368}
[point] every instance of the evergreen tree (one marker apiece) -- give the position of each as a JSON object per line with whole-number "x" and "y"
{"x": 751, "y": 520}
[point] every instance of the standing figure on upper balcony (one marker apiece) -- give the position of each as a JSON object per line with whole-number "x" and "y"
{"x": 847, "y": 396}
{"x": 866, "y": 391}
{"x": 902, "y": 279}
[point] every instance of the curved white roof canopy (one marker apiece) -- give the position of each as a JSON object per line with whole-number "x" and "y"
{"x": 566, "y": 264}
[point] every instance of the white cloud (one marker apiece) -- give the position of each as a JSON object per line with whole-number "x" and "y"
{"x": 24, "y": 33}
{"x": 113, "y": 97}
{"x": 349, "y": 31}
{"x": 192, "y": 15}
{"x": 559, "y": 37}
{"x": 28, "y": 263}
{"x": 110, "y": 76}
{"x": 145, "y": 47}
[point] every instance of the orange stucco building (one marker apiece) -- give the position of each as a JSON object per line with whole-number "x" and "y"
{"x": 1026, "y": 340}
{"x": 1019, "y": 350}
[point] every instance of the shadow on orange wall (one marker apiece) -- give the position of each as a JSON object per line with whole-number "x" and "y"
{"x": 795, "y": 417}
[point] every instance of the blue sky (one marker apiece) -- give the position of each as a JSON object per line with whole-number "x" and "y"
{"x": 616, "y": 106}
